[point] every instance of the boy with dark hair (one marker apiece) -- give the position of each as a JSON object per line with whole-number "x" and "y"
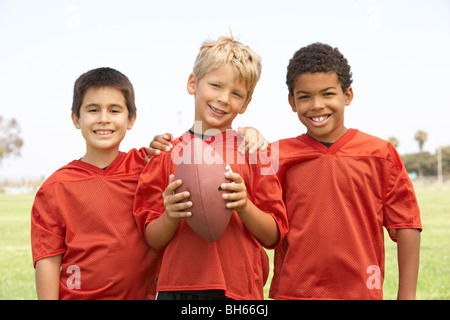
{"x": 85, "y": 242}
{"x": 340, "y": 186}
{"x": 225, "y": 74}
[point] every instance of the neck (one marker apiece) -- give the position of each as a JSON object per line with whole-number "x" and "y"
{"x": 330, "y": 138}
{"x": 100, "y": 159}
{"x": 200, "y": 127}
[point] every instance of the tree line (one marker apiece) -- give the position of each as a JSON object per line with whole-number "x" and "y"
{"x": 422, "y": 163}
{"x": 425, "y": 163}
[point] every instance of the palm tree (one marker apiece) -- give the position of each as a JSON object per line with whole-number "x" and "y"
{"x": 394, "y": 141}
{"x": 421, "y": 137}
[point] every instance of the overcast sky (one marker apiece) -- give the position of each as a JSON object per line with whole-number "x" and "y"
{"x": 399, "y": 52}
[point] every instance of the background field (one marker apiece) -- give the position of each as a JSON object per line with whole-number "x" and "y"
{"x": 17, "y": 273}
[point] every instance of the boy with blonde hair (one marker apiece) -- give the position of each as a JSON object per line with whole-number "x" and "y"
{"x": 222, "y": 83}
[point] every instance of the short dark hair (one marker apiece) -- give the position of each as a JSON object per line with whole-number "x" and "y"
{"x": 318, "y": 57}
{"x": 103, "y": 77}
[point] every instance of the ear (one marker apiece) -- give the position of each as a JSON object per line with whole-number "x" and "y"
{"x": 292, "y": 102}
{"x": 131, "y": 122}
{"x": 192, "y": 83}
{"x": 348, "y": 96}
{"x": 244, "y": 107}
{"x": 76, "y": 121}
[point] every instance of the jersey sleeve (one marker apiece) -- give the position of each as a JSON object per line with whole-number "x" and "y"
{"x": 142, "y": 152}
{"x": 401, "y": 207}
{"x": 47, "y": 229}
{"x": 267, "y": 194}
{"x": 148, "y": 201}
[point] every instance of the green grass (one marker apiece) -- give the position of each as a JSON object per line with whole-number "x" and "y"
{"x": 434, "y": 268}
{"x": 17, "y": 272}
{"x": 16, "y": 266}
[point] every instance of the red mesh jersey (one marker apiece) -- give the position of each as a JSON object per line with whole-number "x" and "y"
{"x": 86, "y": 214}
{"x": 233, "y": 263}
{"x": 337, "y": 200}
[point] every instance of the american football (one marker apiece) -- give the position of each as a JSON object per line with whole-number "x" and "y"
{"x": 202, "y": 170}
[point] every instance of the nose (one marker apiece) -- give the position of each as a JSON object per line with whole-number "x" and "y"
{"x": 104, "y": 116}
{"x": 317, "y": 103}
{"x": 224, "y": 97}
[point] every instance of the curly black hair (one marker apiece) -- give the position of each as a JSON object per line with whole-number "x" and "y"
{"x": 318, "y": 57}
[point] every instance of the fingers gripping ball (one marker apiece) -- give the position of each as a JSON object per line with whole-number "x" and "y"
{"x": 202, "y": 171}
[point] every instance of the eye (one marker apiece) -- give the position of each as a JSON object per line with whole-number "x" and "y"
{"x": 116, "y": 109}
{"x": 303, "y": 97}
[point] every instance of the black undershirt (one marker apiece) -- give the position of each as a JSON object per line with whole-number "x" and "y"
{"x": 200, "y": 135}
{"x": 326, "y": 144}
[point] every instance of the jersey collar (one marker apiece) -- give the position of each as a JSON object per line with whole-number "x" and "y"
{"x": 334, "y": 148}
{"x": 112, "y": 166}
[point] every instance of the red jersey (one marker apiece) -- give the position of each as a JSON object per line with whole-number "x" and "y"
{"x": 86, "y": 214}
{"x": 233, "y": 263}
{"x": 337, "y": 200}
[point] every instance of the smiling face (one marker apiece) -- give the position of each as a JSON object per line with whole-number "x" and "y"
{"x": 103, "y": 122}
{"x": 219, "y": 98}
{"x": 319, "y": 103}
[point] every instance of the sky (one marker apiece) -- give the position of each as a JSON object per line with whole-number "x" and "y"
{"x": 398, "y": 49}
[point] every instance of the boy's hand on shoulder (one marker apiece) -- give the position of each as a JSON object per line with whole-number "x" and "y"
{"x": 238, "y": 192}
{"x": 253, "y": 140}
{"x": 159, "y": 143}
{"x": 173, "y": 206}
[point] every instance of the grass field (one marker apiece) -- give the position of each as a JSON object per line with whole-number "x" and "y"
{"x": 17, "y": 273}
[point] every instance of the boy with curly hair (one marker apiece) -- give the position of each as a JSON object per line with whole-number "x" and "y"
{"x": 341, "y": 187}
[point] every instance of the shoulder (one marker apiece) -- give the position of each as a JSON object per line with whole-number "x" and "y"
{"x": 369, "y": 146}
{"x": 372, "y": 144}
{"x": 290, "y": 148}
{"x": 66, "y": 173}
{"x": 131, "y": 162}
{"x": 136, "y": 153}
{"x": 289, "y": 142}
{"x": 368, "y": 138}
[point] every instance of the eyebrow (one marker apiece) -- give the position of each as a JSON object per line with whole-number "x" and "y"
{"x": 323, "y": 90}
{"x": 96, "y": 105}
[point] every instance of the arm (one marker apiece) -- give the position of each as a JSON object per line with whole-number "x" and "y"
{"x": 47, "y": 277}
{"x": 260, "y": 224}
{"x": 160, "y": 231}
{"x": 408, "y": 247}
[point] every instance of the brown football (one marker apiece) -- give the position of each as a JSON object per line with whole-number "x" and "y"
{"x": 201, "y": 170}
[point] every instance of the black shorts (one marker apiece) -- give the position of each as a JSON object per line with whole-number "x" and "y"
{"x": 192, "y": 295}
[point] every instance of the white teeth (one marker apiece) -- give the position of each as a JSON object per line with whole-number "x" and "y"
{"x": 103, "y": 132}
{"x": 217, "y": 110}
{"x": 319, "y": 119}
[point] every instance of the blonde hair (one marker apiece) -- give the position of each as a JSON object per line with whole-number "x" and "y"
{"x": 227, "y": 51}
